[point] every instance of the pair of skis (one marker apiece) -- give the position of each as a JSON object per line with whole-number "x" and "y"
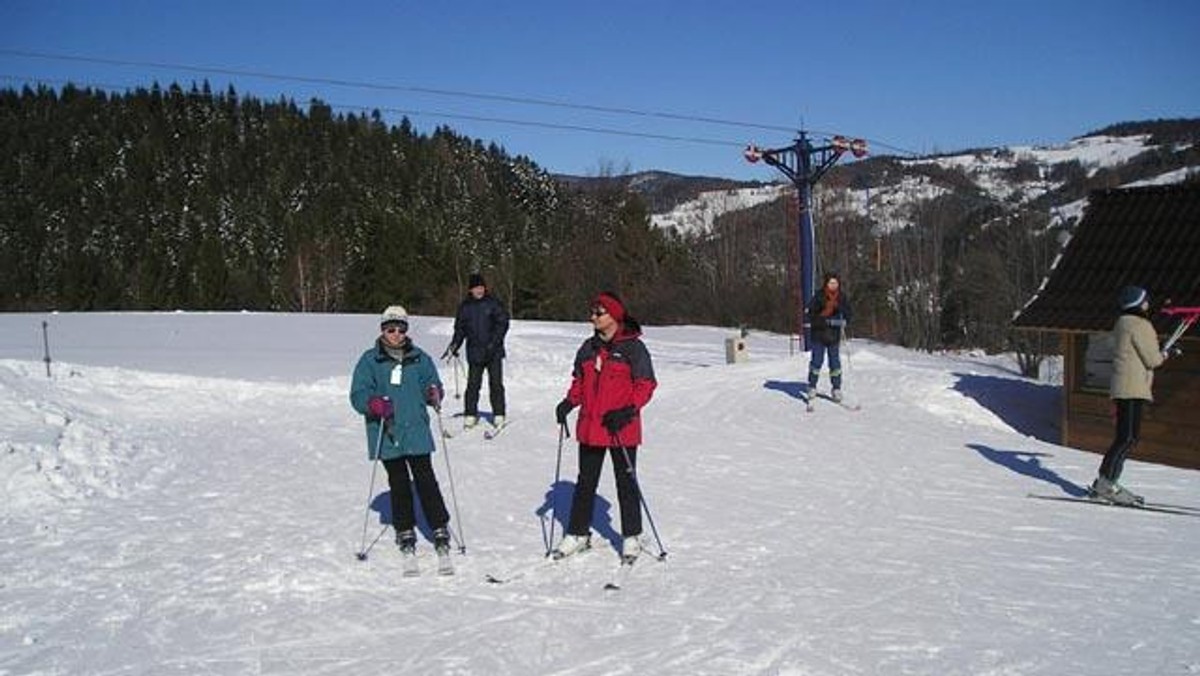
{"x": 521, "y": 572}
{"x": 488, "y": 434}
{"x": 411, "y": 567}
{"x": 1160, "y": 507}
{"x": 549, "y": 561}
{"x": 810, "y": 401}
{"x": 616, "y": 581}
{"x": 494, "y": 432}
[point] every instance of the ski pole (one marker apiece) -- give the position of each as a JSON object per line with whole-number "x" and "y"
{"x": 845, "y": 342}
{"x": 46, "y": 343}
{"x": 562, "y": 430}
{"x": 1187, "y": 317}
{"x": 457, "y": 368}
{"x": 462, "y": 545}
{"x": 362, "y": 550}
{"x": 637, "y": 488}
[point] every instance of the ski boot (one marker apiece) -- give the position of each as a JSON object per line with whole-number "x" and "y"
{"x": 631, "y": 547}
{"x": 406, "y": 540}
{"x": 571, "y": 544}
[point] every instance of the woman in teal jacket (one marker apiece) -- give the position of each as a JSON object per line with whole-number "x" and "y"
{"x": 393, "y": 383}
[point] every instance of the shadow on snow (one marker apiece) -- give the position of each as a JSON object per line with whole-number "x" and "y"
{"x": 794, "y": 389}
{"x": 1030, "y": 465}
{"x": 556, "y": 506}
{"x": 1029, "y": 408}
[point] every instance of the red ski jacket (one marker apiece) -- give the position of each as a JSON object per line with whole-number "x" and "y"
{"x": 609, "y": 376}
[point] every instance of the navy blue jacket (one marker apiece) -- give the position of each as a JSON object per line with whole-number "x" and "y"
{"x": 482, "y": 323}
{"x": 828, "y": 330}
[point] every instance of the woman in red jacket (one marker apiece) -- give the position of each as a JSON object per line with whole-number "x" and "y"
{"x": 612, "y": 380}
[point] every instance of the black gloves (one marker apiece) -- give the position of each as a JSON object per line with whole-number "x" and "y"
{"x": 560, "y": 412}
{"x": 1173, "y": 351}
{"x": 615, "y": 420}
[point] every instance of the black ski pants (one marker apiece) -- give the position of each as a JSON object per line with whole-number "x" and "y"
{"x": 495, "y": 372}
{"x": 1129, "y": 427}
{"x": 403, "y": 515}
{"x": 591, "y": 461}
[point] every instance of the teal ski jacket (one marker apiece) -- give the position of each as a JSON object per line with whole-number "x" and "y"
{"x": 405, "y": 382}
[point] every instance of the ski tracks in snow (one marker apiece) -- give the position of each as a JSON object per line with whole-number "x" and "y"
{"x": 828, "y": 543}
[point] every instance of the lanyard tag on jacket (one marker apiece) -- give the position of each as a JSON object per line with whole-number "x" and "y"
{"x": 397, "y": 374}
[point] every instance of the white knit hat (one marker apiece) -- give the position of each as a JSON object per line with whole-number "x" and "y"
{"x": 394, "y": 313}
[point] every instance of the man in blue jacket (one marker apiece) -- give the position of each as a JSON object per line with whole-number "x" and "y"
{"x": 482, "y": 322}
{"x": 392, "y": 385}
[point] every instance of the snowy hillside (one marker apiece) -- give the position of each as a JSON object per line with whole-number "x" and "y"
{"x": 186, "y": 493}
{"x": 994, "y": 173}
{"x": 1073, "y": 212}
{"x": 698, "y": 215}
{"x": 1008, "y": 175}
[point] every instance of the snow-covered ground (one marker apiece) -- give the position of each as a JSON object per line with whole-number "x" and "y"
{"x": 186, "y": 494}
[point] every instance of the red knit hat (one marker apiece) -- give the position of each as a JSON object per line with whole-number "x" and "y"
{"x": 612, "y": 304}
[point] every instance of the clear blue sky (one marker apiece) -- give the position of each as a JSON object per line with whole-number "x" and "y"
{"x": 908, "y": 76}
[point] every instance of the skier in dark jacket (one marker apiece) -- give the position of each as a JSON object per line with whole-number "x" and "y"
{"x": 482, "y": 322}
{"x": 612, "y": 380}
{"x": 392, "y": 385}
{"x": 828, "y": 313}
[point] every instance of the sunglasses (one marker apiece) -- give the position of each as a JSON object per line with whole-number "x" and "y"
{"x": 599, "y": 312}
{"x": 395, "y": 329}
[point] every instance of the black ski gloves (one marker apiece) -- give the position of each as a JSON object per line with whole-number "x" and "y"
{"x": 615, "y": 420}
{"x": 562, "y": 410}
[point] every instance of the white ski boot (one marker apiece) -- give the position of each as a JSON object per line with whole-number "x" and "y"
{"x": 631, "y": 547}
{"x": 406, "y": 540}
{"x": 1114, "y": 492}
{"x": 571, "y": 544}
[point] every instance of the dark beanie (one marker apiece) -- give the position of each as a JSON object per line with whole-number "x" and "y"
{"x": 1131, "y": 297}
{"x": 475, "y": 280}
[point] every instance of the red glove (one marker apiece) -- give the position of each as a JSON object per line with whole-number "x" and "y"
{"x": 380, "y": 407}
{"x": 433, "y": 397}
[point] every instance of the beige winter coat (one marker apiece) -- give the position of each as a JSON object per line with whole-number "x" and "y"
{"x": 1135, "y": 356}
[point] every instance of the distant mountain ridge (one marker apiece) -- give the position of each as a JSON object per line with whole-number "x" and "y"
{"x": 887, "y": 188}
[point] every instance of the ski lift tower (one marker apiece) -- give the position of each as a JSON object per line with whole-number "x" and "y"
{"x": 804, "y": 165}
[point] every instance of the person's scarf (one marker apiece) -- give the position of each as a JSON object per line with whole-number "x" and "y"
{"x": 831, "y": 303}
{"x": 397, "y": 353}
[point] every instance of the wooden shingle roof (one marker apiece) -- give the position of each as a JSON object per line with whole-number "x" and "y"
{"x": 1147, "y": 236}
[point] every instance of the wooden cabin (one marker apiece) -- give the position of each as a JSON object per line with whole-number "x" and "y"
{"x": 1149, "y": 237}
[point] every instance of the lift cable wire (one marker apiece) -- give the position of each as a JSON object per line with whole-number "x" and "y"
{"x": 389, "y": 87}
{"x": 460, "y": 94}
{"x": 411, "y": 112}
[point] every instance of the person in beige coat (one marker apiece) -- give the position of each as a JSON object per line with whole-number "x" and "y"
{"x": 1135, "y": 356}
